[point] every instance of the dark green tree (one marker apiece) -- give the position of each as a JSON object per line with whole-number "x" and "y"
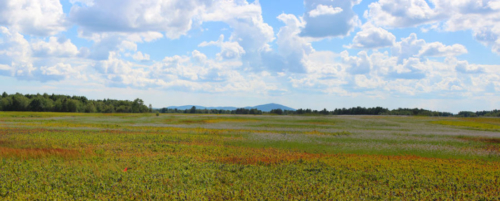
{"x": 20, "y": 103}
{"x": 90, "y": 108}
{"x": 40, "y": 104}
{"x": 72, "y": 105}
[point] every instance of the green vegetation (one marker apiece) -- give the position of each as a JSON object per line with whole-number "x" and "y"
{"x": 485, "y": 126}
{"x": 365, "y": 111}
{"x": 62, "y": 103}
{"x": 91, "y": 156}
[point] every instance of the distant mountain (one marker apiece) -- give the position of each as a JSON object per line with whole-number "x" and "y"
{"x": 264, "y": 108}
{"x": 272, "y": 106}
{"x": 184, "y": 107}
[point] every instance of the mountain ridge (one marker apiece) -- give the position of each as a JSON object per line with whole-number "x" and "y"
{"x": 264, "y": 107}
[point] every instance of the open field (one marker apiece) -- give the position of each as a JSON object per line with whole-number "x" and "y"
{"x": 228, "y": 157}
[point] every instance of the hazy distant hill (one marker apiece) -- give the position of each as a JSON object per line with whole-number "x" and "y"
{"x": 264, "y": 108}
{"x": 271, "y": 106}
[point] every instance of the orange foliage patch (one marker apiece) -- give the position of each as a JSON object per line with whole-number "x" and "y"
{"x": 37, "y": 153}
{"x": 189, "y": 121}
{"x": 6, "y": 131}
{"x": 484, "y": 139}
{"x": 493, "y": 143}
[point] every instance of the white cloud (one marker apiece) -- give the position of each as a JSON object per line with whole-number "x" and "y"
{"x": 35, "y": 17}
{"x": 324, "y": 10}
{"x": 364, "y": 82}
{"x": 291, "y": 47}
{"x": 114, "y": 65}
{"x": 482, "y": 17}
{"x": 405, "y": 13}
{"x": 139, "y": 56}
{"x": 249, "y": 28}
{"x": 174, "y": 17}
{"x": 372, "y": 37}
{"x": 54, "y": 48}
{"x": 199, "y": 57}
{"x": 465, "y": 67}
{"x": 59, "y": 71}
{"x": 104, "y": 43}
{"x": 357, "y": 65}
{"x": 15, "y": 51}
{"x": 418, "y": 48}
{"x": 437, "y": 49}
{"x": 321, "y": 21}
{"x": 229, "y": 50}
{"x": 85, "y": 2}
{"x": 412, "y": 68}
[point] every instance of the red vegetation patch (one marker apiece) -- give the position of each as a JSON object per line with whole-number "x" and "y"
{"x": 189, "y": 121}
{"x": 491, "y": 140}
{"x": 7, "y": 131}
{"x": 483, "y": 139}
{"x": 267, "y": 156}
{"x": 493, "y": 143}
{"x": 37, "y": 152}
{"x": 493, "y": 148}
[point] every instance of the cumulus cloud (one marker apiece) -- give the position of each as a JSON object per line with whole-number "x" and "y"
{"x": 324, "y": 10}
{"x": 55, "y": 47}
{"x": 412, "y": 68}
{"x": 113, "y": 65}
{"x": 365, "y": 82}
{"x": 406, "y": 13}
{"x": 379, "y": 73}
{"x": 104, "y": 43}
{"x": 34, "y": 17}
{"x": 40, "y": 61}
{"x": 466, "y": 68}
{"x": 372, "y": 37}
{"x": 482, "y": 17}
{"x": 139, "y": 56}
{"x": 15, "y": 52}
{"x": 229, "y": 50}
{"x": 414, "y": 47}
{"x": 249, "y": 29}
{"x": 291, "y": 47}
{"x": 59, "y": 71}
{"x": 326, "y": 18}
{"x": 437, "y": 49}
{"x": 360, "y": 64}
{"x": 174, "y": 17}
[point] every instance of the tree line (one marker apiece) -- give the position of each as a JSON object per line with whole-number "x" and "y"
{"x": 64, "y": 103}
{"x": 194, "y": 110}
{"x": 492, "y": 113}
{"x": 385, "y": 111}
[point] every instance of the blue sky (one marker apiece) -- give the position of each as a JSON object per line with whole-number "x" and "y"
{"x": 435, "y": 54}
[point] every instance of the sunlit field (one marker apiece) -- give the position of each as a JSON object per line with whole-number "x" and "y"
{"x": 230, "y": 157}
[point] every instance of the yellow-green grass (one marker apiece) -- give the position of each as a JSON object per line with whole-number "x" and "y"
{"x": 47, "y": 156}
{"x": 486, "y": 124}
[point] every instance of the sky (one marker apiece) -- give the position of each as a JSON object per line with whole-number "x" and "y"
{"x": 435, "y": 54}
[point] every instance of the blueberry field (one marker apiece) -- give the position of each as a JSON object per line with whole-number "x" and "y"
{"x": 72, "y": 156}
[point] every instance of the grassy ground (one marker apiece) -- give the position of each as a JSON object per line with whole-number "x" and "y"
{"x": 227, "y": 157}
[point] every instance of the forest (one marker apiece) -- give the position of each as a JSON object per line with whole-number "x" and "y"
{"x": 64, "y": 103}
